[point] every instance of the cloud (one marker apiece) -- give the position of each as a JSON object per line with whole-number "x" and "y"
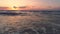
{"x": 3, "y": 8}
{"x": 23, "y": 7}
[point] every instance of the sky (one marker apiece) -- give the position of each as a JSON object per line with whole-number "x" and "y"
{"x": 31, "y": 4}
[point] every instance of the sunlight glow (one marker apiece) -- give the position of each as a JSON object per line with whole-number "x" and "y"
{"x": 36, "y": 4}
{"x": 12, "y": 8}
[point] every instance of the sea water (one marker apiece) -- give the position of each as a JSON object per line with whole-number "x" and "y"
{"x": 30, "y": 22}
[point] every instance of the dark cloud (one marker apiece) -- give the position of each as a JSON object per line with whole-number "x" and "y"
{"x": 23, "y": 7}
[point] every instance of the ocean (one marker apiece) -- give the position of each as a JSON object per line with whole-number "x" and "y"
{"x": 29, "y": 22}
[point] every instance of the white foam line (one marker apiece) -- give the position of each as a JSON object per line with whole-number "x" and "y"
{"x": 55, "y": 24}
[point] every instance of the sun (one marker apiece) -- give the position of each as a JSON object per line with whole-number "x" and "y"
{"x": 13, "y": 8}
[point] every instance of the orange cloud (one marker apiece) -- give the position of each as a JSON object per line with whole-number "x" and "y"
{"x": 3, "y": 8}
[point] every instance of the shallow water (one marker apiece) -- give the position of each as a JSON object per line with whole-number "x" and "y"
{"x": 42, "y": 22}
